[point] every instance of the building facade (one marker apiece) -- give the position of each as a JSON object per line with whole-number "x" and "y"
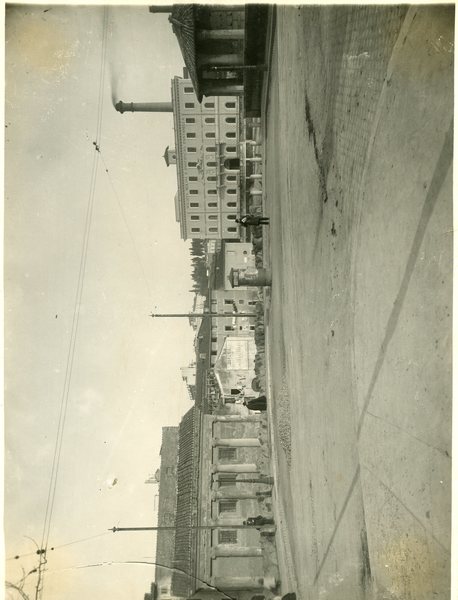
{"x": 223, "y": 47}
{"x": 206, "y": 155}
{"x": 165, "y": 541}
{"x": 231, "y": 301}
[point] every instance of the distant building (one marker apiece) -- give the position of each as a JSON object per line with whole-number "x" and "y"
{"x": 198, "y": 306}
{"x": 188, "y": 374}
{"x": 152, "y": 594}
{"x": 165, "y": 542}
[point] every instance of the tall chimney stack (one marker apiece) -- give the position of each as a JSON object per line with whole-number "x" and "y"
{"x": 143, "y": 106}
{"x": 161, "y": 9}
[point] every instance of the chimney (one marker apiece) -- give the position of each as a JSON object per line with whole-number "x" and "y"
{"x": 161, "y": 9}
{"x": 143, "y": 106}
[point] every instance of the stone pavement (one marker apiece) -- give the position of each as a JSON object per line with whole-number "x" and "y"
{"x": 358, "y": 149}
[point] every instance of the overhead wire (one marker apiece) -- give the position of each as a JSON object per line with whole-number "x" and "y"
{"x": 75, "y": 323}
{"x": 140, "y": 263}
{"x": 58, "y": 547}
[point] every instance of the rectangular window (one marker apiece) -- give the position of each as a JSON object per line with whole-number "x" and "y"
{"x": 213, "y": 229}
{"x": 241, "y": 301}
{"x": 211, "y": 191}
{"x": 211, "y": 178}
{"x": 231, "y": 204}
{"x": 232, "y": 229}
{"x": 188, "y": 90}
{"x": 190, "y": 134}
{"x": 211, "y": 163}
{"x": 195, "y": 217}
{"x": 231, "y": 191}
{"x": 231, "y": 217}
{"x": 192, "y": 178}
{"x": 230, "y": 119}
{"x": 210, "y": 149}
{"x": 214, "y": 352}
{"x": 212, "y": 204}
{"x": 191, "y": 149}
{"x": 228, "y": 328}
{"x": 230, "y": 134}
{"x": 230, "y": 104}
{"x": 231, "y": 177}
{"x": 226, "y": 479}
{"x": 212, "y": 217}
{"x": 193, "y": 191}
{"x": 195, "y": 229}
{"x": 227, "y": 453}
{"x": 210, "y": 134}
{"x": 252, "y": 302}
{"x": 227, "y": 301}
{"x": 189, "y": 104}
{"x": 209, "y": 119}
{"x": 214, "y": 339}
{"x": 227, "y": 506}
{"x": 231, "y": 149}
{"x": 227, "y": 536}
{"x": 192, "y": 164}
{"x": 190, "y": 120}
{"x": 194, "y": 204}
{"x": 209, "y": 104}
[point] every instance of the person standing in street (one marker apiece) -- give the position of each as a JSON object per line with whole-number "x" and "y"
{"x": 252, "y": 220}
{"x": 259, "y": 403}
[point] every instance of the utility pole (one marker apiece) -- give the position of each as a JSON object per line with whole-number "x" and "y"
{"x": 174, "y": 528}
{"x": 203, "y": 315}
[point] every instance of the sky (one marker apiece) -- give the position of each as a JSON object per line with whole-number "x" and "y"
{"x": 124, "y": 383}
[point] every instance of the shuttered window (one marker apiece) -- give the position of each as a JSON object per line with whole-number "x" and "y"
{"x": 226, "y": 479}
{"x": 227, "y": 536}
{"x": 227, "y": 453}
{"x": 227, "y": 506}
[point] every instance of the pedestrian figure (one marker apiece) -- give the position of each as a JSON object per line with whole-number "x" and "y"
{"x": 252, "y": 220}
{"x": 259, "y": 403}
{"x": 259, "y": 521}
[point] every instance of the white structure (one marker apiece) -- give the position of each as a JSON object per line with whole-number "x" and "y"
{"x": 234, "y": 367}
{"x": 206, "y": 156}
{"x": 238, "y": 256}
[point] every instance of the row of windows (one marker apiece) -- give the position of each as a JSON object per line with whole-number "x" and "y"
{"x": 208, "y": 104}
{"x": 213, "y": 229}
{"x": 191, "y": 120}
{"x": 212, "y": 217}
{"x": 193, "y": 149}
{"x": 210, "y": 134}
{"x": 212, "y": 178}
{"x": 241, "y": 301}
{"x": 230, "y": 191}
{"x": 212, "y": 204}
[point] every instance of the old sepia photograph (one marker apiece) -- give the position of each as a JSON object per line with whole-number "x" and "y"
{"x": 228, "y": 272}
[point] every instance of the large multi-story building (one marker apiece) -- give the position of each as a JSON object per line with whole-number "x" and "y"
{"x": 207, "y": 159}
{"x": 206, "y": 155}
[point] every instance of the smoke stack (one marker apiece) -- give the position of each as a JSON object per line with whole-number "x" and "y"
{"x": 143, "y": 106}
{"x": 161, "y": 9}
